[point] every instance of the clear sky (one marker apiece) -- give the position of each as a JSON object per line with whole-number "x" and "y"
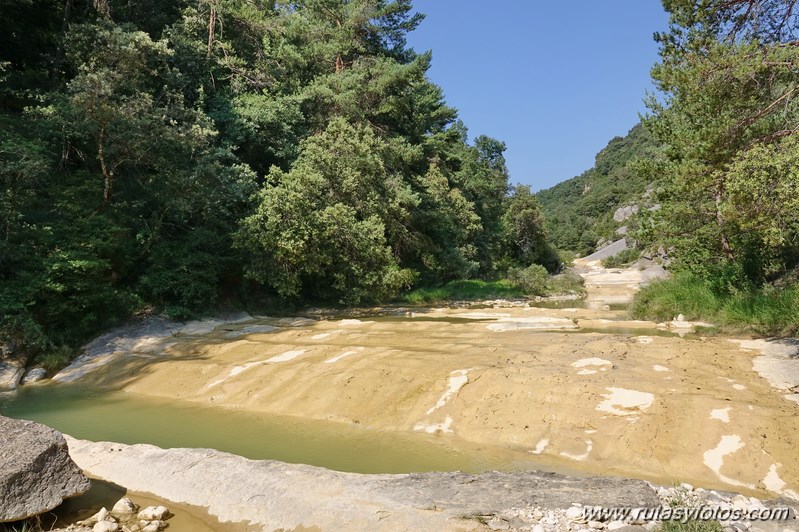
{"x": 554, "y": 80}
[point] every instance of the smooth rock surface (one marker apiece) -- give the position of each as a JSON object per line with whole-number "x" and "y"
{"x": 11, "y": 371}
{"x": 36, "y": 472}
{"x": 275, "y": 495}
{"x": 33, "y": 375}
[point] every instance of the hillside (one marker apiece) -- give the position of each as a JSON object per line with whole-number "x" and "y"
{"x": 579, "y": 211}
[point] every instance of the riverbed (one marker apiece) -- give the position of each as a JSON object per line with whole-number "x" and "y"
{"x": 510, "y": 385}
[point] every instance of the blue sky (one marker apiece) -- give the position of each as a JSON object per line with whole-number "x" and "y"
{"x": 554, "y": 80}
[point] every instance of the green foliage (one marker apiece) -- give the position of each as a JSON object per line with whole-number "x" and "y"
{"x": 622, "y": 258}
{"x": 469, "y": 290}
{"x": 579, "y": 211}
{"x": 525, "y": 226}
{"x": 321, "y": 229}
{"x": 728, "y": 121}
{"x": 532, "y": 280}
{"x": 691, "y": 526}
{"x": 766, "y": 310}
{"x": 176, "y": 155}
{"x": 566, "y": 283}
{"x": 55, "y": 358}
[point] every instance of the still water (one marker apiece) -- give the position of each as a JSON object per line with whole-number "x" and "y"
{"x": 130, "y": 418}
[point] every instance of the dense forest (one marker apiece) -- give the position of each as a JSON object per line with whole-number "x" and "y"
{"x": 579, "y": 211}
{"x": 178, "y": 155}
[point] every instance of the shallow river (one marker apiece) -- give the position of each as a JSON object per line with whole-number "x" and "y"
{"x": 133, "y": 418}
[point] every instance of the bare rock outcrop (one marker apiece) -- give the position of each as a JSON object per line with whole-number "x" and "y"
{"x": 36, "y": 472}
{"x": 274, "y": 495}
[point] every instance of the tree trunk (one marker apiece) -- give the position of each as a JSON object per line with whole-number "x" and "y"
{"x": 108, "y": 175}
{"x": 725, "y": 243}
{"x": 211, "y": 27}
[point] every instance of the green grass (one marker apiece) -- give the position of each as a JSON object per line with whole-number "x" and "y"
{"x": 464, "y": 290}
{"x": 691, "y": 526}
{"x": 767, "y": 311}
{"x": 475, "y": 290}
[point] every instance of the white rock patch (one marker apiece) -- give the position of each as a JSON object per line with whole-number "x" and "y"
{"x": 342, "y": 355}
{"x": 235, "y": 371}
{"x": 540, "y": 446}
{"x": 580, "y": 457}
{"x": 537, "y": 323}
{"x": 457, "y": 380}
{"x": 288, "y": 355}
{"x": 353, "y": 322}
{"x": 659, "y": 368}
{"x": 714, "y": 458}
{"x": 622, "y": 398}
{"x": 583, "y": 362}
{"x": 644, "y": 340}
{"x": 438, "y": 427}
{"x": 722, "y": 414}
{"x": 772, "y": 481}
{"x": 587, "y": 372}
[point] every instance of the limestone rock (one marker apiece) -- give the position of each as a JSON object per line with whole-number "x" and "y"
{"x": 154, "y": 513}
{"x": 124, "y": 506}
{"x": 624, "y": 213}
{"x": 36, "y": 472}
{"x": 105, "y": 526}
{"x": 33, "y": 375}
{"x": 11, "y": 371}
{"x": 274, "y": 495}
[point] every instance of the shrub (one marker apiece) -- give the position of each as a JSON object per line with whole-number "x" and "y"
{"x": 622, "y": 258}
{"x": 532, "y": 280}
{"x": 566, "y": 283}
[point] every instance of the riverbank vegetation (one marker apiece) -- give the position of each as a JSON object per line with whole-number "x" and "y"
{"x": 533, "y": 281}
{"x": 181, "y": 155}
{"x": 730, "y": 199}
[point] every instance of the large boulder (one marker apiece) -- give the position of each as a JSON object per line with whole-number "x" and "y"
{"x": 36, "y": 472}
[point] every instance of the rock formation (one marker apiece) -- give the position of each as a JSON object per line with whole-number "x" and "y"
{"x": 36, "y": 472}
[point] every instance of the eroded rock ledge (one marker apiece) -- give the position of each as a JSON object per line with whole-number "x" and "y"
{"x": 274, "y": 495}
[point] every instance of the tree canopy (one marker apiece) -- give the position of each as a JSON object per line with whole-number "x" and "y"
{"x": 730, "y": 115}
{"x": 178, "y": 156}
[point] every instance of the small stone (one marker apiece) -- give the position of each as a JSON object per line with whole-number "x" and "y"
{"x": 680, "y": 318}
{"x": 105, "y": 526}
{"x": 756, "y": 503}
{"x": 615, "y": 525}
{"x": 538, "y": 528}
{"x": 150, "y": 528}
{"x": 124, "y": 506}
{"x": 685, "y": 485}
{"x": 597, "y": 525}
{"x": 91, "y": 521}
{"x": 741, "y": 502}
{"x": 537, "y": 514}
{"x": 574, "y": 513}
{"x": 154, "y": 513}
{"x": 496, "y": 523}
